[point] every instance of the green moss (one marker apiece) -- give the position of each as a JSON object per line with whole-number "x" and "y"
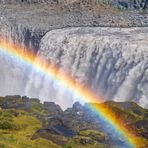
{"x": 19, "y": 131}
{"x": 84, "y": 142}
{"x": 18, "y": 126}
{"x": 5, "y": 124}
{"x": 95, "y": 135}
{"x": 37, "y": 107}
{"x": 6, "y": 119}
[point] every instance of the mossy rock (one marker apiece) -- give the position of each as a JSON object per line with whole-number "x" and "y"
{"x": 95, "y": 135}
{"x": 84, "y": 142}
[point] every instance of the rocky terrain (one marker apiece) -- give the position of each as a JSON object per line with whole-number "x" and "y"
{"x": 25, "y": 22}
{"x": 118, "y": 3}
{"x": 25, "y": 122}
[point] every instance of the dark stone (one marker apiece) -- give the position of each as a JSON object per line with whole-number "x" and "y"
{"x": 35, "y": 100}
{"x": 12, "y": 97}
{"x": 52, "y": 108}
{"x": 25, "y": 98}
{"x": 138, "y": 112}
{"x": 85, "y": 141}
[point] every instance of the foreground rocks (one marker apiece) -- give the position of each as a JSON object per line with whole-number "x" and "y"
{"x": 74, "y": 126}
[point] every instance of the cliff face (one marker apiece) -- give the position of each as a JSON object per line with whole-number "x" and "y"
{"x": 25, "y": 36}
{"x": 111, "y": 61}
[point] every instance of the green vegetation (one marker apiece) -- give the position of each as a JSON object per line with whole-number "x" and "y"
{"x": 88, "y": 139}
{"x": 24, "y": 125}
{"x": 17, "y": 128}
{"x": 84, "y": 142}
{"x": 95, "y": 135}
{"x": 37, "y": 107}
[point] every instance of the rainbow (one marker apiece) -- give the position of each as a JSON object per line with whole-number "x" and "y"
{"x": 67, "y": 81}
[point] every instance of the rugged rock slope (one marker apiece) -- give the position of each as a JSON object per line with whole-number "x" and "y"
{"x": 111, "y": 61}
{"x": 26, "y": 21}
{"x": 25, "y": 36}
{"x": 136, "y": 4}
{"x": 27, "y": 122}
{"x": 118, "y": 3}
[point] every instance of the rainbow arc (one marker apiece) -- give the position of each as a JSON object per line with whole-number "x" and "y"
{"x": 68, "y": 82}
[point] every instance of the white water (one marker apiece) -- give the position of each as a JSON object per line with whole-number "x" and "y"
{"x": 111, "y": 61}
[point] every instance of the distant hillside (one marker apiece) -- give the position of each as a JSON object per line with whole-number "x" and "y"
{"x": 134, "y": 4}
{"x": 25, "y": 122}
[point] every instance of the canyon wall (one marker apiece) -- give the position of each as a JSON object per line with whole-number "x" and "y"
{"x": 17, "y": 33}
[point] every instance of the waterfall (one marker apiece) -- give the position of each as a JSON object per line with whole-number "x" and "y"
{"x": 111, "y": 61}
